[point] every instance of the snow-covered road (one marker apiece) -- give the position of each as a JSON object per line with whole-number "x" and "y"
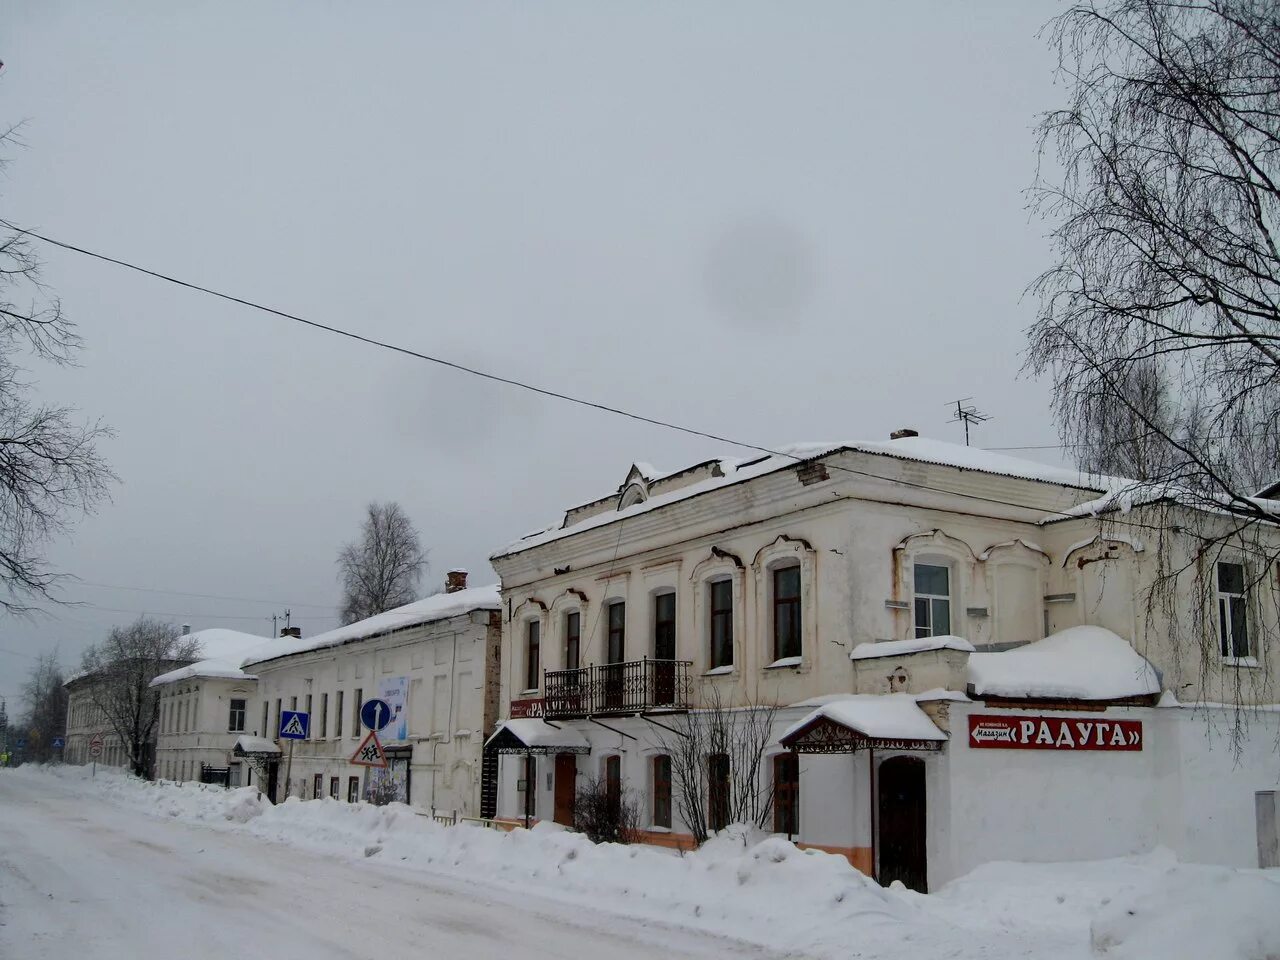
{"x": 97, "y": 881}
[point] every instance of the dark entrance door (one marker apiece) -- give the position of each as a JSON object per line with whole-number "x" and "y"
{"x": 273, "y": 779}
{"x": 901, "y": 820}
{"x": 566, "y": 787}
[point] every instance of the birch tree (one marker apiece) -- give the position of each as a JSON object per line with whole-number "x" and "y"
{"x": 382, "y": 569}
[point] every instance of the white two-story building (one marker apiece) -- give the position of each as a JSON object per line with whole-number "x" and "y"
{"x": 946, "y": 653}
{"x": 434, "y": 662}
{"x": 204, "y": 710}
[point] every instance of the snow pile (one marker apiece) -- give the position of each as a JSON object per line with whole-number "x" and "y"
{"x": 1080, "y": 663}
{"x": 901, "y": 648}
{"x": 890, "y": 716}
{"x": 198, "y": 802}
{"x": 1192, "y": 913}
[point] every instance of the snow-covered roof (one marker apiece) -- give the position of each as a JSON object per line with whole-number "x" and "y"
{"x": 224, "y": 651}
{"x": 442, "y": 606}
{"x": 919, "y": 449}
{"x": 534, "y": 733}
{"x": 246, "y": 744}
{"x": 900, "y": 648}
{"x": 1079, "y": 663}
{"x": 888, "y": 716}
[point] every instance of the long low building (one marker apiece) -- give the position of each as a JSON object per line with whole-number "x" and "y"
{"x": 918, "y": 655}
{"x": 434, "y": 663}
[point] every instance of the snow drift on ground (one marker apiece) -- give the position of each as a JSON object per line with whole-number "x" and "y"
{"x": 768, "y": 892}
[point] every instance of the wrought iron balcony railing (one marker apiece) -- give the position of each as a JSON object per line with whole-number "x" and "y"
{"x": 635, "y": 686}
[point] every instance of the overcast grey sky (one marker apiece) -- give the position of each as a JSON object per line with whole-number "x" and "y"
{"x": 775, "y": 221}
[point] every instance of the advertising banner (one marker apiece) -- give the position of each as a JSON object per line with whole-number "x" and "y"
{"x": 1012, "y": 732}
{"x": 395, "y": 691}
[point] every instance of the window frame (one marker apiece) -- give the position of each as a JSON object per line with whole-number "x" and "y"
{"x": 619, "y": 629}
{"x": 353, "y": 789}
{"x": 661, "y": 806}
{"x": 232, "y": 711}
{"x": 532, "y": 655}
{"x": 573, "y": 639}
{"x": 931, "y": 599}
{"x": 355, "y": 713}
{"x": 1230, "y": 600}
{"x": 725, "y": 618}
{"x": 324, "y": 716}
{"x": 792, "y": 606}
{"x": 337, "y": 715}
{"x": 317, "y": 787}
{"x": 664, "y": 628}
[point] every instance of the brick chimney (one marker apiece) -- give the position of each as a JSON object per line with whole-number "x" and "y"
{"x": 904, "y": 433}
{"x": 455, "y": 580}
{"x": 295, "y": 632}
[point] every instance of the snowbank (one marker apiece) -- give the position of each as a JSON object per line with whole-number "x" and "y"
{"x": 1079, "y": 663}
{"x": 766, "y": 891}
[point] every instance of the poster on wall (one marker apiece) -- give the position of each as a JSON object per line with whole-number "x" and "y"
{"x": 395, "y": 691}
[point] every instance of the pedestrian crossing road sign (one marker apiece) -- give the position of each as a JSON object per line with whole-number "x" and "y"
{"x": 294, "y": 725}
{"x": 370, "y": 752}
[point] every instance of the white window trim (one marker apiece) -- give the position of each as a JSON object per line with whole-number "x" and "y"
{"x": 716, "y": 568}
{"x": 1250, "y": 659}
{"x": 924, "y": 560}
{"x": 786, "y": 551}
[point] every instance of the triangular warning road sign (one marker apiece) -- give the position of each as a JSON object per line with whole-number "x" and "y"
{"x": 370, "y": 752}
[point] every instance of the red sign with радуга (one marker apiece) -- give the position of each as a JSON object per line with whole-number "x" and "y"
{"x": 993, "y": 731}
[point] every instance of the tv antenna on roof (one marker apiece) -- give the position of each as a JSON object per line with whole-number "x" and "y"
{"x": 967, "y": 415}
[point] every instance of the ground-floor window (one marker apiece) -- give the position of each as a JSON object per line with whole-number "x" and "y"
{"x": 530, "y": 786}
{"x": 662, "y": 791}
{"x": 333, "y": 787}
{"x": 233, "y": 775}
{"x": 717, "y": 791}
{"x": 786, "y": 793}
{"x": 353, "y": 789}
{"x": 317, "y": 786}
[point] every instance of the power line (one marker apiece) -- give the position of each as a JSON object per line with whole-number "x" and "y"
{"x": 205, "y": 596}
{"x": 406, "y": 351}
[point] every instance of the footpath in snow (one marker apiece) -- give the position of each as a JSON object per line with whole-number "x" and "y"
{"x": 803, "y": 903}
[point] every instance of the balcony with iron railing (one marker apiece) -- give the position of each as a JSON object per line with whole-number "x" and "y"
{"x": 614, "y": 689}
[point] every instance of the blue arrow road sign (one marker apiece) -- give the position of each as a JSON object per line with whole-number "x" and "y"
{"x": 58, "y": 743}
{"x": 21, "y": 744}
{"x": 375, "y": 714}
{"x": 294, "y": 725}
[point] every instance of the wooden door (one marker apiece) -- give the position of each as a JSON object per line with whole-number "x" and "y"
{"x": 566, "y": 787}
{"x": 901, "y": 823}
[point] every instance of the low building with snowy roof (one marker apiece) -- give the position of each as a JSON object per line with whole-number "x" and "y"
{"x": 949, "y": 648}
{"x": 204, "y": 708}
{"x": 432, "y": 665}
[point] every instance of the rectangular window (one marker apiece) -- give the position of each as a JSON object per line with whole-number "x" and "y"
{"x": 662, "y": 791}
{"x": 265, "y": 732}
{"x": 786, "y": 793}
{"x": 355, "y": 711}
{"x": 293, "y": 703}
{"x": 324, "y": 716}
{"x": 1233, "y": 607}
{"x": 721, "y": 623}
{"x": 530, "y": 786}
{"x": 353, "y": 789}
{"x": 572, "y": 639}
{"x": 310, "y": 719}
{"x": 932, "y": 600}
{"x": 786, "y": 612}
{"x": 616, "y": 646}
{"x": 337, "y": 716}
{"x": 275, "y": 731}
{"x": 317, "y": 787}
{"x": 613, "y": 785}
{"x": 235, "y": 724}
{"x": 664, "y": 626}
{"x": 718, "y": 791}
{"x": 334, "y": 787}
{"x": 533, "y": 655}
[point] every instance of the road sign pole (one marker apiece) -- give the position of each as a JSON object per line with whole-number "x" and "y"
{"x": 288, "y": 771}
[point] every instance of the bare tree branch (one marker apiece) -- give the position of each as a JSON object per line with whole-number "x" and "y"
{"x": 382, "y": 569}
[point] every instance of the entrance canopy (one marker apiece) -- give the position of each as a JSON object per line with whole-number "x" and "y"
{"x": 256, "y": 748}
{"x": 532, "y": 735}
{"x": 891, "y": 721}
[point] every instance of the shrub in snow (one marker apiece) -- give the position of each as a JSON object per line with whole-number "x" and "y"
{"x": 606, "y": 815}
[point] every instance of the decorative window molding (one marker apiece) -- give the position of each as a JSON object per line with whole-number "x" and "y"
{"x": 718, "y": 565}
{"x": 786, "y": 551}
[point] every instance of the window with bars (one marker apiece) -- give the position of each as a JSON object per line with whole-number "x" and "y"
{"x": 932, "y": 600}
{"x": 786, "y": 793}
{"x": 1233, "y": 611}
{"x": 721, "y": 605}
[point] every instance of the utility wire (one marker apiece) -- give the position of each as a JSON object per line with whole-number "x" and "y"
{"x": 406, "y": 351}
